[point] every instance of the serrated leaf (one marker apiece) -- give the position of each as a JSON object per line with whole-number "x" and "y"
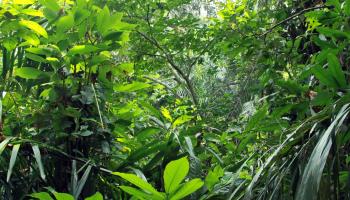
{"x": 174, "y": 174}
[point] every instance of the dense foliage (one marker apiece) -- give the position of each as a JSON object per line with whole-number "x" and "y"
{"x": 174, "y": 99}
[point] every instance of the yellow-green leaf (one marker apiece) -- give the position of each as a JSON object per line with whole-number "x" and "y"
{"x": 34, "y": 27}
{"x": 23, "y": 2}
{"x": 32, "y": 12}
{"x": 182, "y": 119}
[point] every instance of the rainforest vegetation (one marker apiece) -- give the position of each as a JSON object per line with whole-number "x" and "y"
{"x": 174, "y": 99}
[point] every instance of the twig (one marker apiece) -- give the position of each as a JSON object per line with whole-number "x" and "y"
{"x": 292, "y": 17}
{"x": 98, "y": 107}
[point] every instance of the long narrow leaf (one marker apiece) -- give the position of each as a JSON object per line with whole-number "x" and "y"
{"x": 308, "y": 187}
{"x": 12, "y": 161}
{"x": 82, "y": 182}
{"x": 37, "y": 156}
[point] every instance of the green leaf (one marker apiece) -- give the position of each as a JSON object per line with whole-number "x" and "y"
{"x": 32, "y": 12}
{"x": 103, "y": 20}
{"x": 347, "y": 7}
{"x": 37, "y": 157}
{"x": 97, "y": 196}
{"x": 309, "y": 185}
{"x": 63, "y": 196}
{"x": 12, "y": 161}
{"x": 82, "y": 182}
{"x": 34, "y": 27}
{"x": 147, "y": 133}
{"x": 174, "y": 174}
{"x": 132, "y": 178}
{"x": 4, "y": 143}
{"x": 324, "y": 77}
{"x": 181, "y": 120}
{"x": 29, "y": 73}
{"x": 23, "y": 2}
{"x": 50, "y": 4}
{"x": 213, "y": 177}
{"x": 10, "y": 43}
{"x": 187, "y": 189}
{"x": 166, "y": 113}
{"x": 136, "y": 193}
{"x": 336, "y": 70}
{"x": 65, "y": 23}
{"x": 41, "y": 196}
{"x": 132, "y": 87}
{"x": 82, "y": 49}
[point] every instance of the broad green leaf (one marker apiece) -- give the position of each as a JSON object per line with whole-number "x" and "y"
{"x": 32, "y": 12}
{"x": 132, "y": 87}
{"x": 50, "y": 4}
{"x": 174, "y": 174}
{"x": 147, "y": 133}
{"x": 125, "y": 68}
{"x": 82, "y": 49}
{"x": 103, "y": 20}
{"x": 132, "y": 178}
{"x": 336, "y": 70}
{"x": 12, "y": 161}
{"x": 333, "y": 33}
{"x": 63, "y": 196}
{"x": 34, "y": 27}
{"x": 29, "y": 73}
{"x": 23, "y": 2}
{"x": 31, "y": 39}
{"x": 324, "y": 77}
{"x": 97, "y": 196}
{"x": 37, "y": 157}
{"x": 41, "y": 196}
{"x": 181, "y": 120}
{"x": 187, "y": 189}
{"x": 65, "y": 23}
{"x": 136, "y": 193}
{"x": 10, "y": 43}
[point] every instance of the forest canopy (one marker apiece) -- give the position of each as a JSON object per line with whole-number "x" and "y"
{"x": 174, "y": 99}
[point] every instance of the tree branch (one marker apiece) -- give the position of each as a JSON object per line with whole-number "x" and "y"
{"x": 292, "y": 17}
